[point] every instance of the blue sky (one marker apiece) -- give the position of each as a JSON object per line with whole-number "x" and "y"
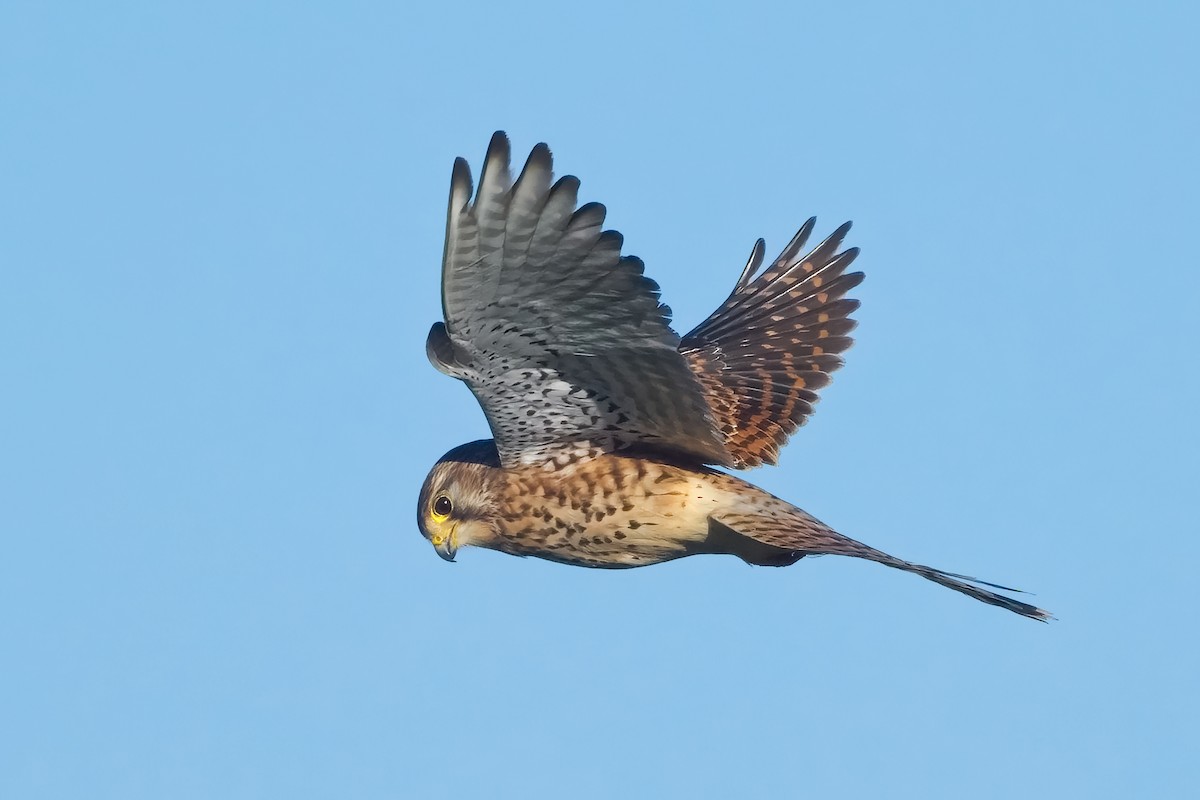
{"x": 220, "y": 245}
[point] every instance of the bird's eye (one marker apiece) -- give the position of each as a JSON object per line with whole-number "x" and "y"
{"x": 442, "y": 507}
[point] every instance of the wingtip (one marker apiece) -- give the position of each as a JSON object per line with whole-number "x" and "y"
{"x": 539, "y": 167}
{"x": 462, "y": 170}
{"x": 592, "y": 213}
{"x": 753, "y": 264}
{"x": 541, "y": 154}
{"x": 499, "y": 142}
{"x": 567, "y": 183}
{"x": 461, "y": 184}
{"x": 851, "y": 280}
{"x": 793, "y": 248}
{"x": 500, "y": 147}
{"x": 499, "y": 156}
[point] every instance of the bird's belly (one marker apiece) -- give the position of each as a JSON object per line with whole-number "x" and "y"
{"x": 612, "y": 513}
{"x": 614, "y": 543}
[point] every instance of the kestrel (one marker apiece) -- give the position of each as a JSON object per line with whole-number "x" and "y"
{"x": 608, "y": 426}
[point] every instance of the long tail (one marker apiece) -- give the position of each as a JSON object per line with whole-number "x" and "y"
{"x": 793, "y": 534}
{"x": 971, "y": 587}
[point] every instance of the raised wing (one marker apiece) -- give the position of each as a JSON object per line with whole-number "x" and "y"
{"x": 763, "y": 355}
{"x": 561, "y": 339}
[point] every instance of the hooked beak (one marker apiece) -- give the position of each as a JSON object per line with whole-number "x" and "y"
{"x": 445, "y": 546}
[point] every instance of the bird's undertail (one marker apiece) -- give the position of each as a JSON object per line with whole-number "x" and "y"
{"x": 792, "y": 535}
{"x": 972, "y": 587}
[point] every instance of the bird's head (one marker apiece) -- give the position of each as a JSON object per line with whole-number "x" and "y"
{"x": 457, "y": 504}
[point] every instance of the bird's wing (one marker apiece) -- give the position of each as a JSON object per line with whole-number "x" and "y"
{"x": 763, "y": 355}
{"x": 561, "y": 339}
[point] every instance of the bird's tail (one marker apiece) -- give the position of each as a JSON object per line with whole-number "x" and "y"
{"x": 971, "y": 587}
{"x": 796, "y": 534}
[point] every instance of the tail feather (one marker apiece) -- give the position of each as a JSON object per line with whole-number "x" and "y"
{"x": 789, "y": 532}
{"x": 973, "y": 587}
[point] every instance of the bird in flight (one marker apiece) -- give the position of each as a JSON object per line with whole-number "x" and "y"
{"x": 608, "y": 426}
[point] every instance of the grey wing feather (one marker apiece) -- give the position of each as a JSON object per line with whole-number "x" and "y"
{"x": 561, "y": 339}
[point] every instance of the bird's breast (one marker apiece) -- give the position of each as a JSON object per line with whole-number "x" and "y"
{"x": 610, "y": 511}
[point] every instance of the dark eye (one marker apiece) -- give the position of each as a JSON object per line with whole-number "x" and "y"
{"x": 442, "y": 506}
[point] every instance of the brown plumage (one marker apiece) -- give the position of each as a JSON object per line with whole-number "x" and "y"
{"x": 606, "y": 422}
{"x": 763, "y": 355}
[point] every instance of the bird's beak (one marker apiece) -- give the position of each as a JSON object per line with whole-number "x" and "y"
{"x": 445, "y": 545}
